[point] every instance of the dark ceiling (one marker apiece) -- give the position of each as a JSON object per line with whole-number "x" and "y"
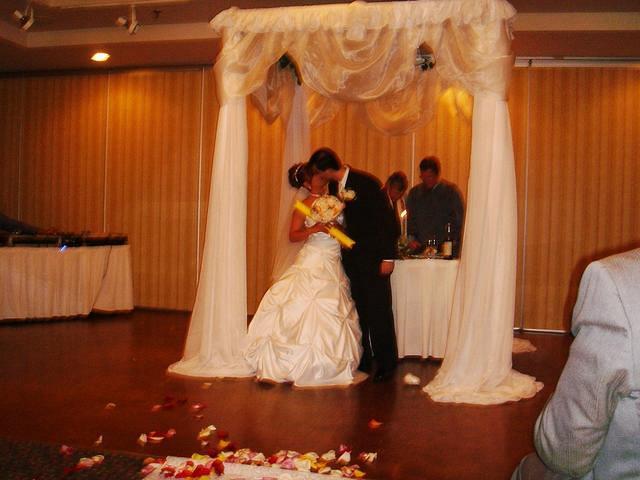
{"x": 176, "y": 32}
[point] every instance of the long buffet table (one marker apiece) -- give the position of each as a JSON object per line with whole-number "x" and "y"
{"x": 422, "y": 297}
{"x": 45, "y": 282}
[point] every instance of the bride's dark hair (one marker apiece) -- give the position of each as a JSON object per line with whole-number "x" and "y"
{"x": 298, "y": 174}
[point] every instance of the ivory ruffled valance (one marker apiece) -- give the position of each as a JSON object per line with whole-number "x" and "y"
{"x": 357, "y": 15}
{"x": 367, "y": 53}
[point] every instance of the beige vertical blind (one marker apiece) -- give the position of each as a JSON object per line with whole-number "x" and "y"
{"x": 583, "y": 198}
{"x": 518, "y": 111}
{"x": 63, "y": 147}
{"x": 152, "y": 176}
{"x": 142, "y": 142}
{"x": 11, "y": 122}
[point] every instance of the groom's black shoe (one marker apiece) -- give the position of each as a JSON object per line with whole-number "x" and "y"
{"x": 382, "y": 375}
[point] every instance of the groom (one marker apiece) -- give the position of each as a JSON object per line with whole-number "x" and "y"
{"x": 368, "y": 217}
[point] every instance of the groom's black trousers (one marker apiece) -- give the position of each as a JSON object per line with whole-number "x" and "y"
{"x": 372, "y": 296}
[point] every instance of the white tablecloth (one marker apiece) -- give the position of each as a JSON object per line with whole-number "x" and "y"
{"x": 43, "y": 282}
{"x": 422, "y": 299}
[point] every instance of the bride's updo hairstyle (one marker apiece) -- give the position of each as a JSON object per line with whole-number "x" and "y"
{"x": 298, "y": 174}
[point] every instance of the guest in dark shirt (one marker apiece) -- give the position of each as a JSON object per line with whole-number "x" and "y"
{"x": 395, "y": 187}
{"x": 431, "y": 205}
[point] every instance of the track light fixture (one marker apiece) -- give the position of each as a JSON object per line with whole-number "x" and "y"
{"x": 26, "y": 18}
{"x": 131, "y": 24}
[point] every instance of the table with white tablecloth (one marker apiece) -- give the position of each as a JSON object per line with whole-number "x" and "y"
{"x": 422, "y": 298}
{"x": 46, "y": 282}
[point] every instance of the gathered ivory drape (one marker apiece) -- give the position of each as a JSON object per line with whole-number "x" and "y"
{"x": 366, "y": 53}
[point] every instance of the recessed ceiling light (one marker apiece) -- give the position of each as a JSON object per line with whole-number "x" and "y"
{"x": 100, "y": 57}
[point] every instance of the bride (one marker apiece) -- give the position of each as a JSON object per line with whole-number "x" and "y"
{"x": 306, "y": 328}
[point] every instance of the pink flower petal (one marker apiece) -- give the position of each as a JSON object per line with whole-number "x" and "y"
{"x": 66, "y": 450}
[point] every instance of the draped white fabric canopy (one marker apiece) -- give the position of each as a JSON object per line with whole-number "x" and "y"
{"x": 366, "y": 53}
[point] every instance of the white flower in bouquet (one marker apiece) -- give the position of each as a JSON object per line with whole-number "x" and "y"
{"x": 326, "y": 209}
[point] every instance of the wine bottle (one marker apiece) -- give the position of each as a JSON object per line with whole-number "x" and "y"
{"x": 447, "y": 245}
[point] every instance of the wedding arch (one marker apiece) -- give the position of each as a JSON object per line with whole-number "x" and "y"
{"x": 367, "y": 53}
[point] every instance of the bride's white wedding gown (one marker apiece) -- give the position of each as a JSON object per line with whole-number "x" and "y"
{"x": 306, "y": 328}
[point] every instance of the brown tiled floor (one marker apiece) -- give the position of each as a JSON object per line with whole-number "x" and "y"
{"x": 57, "y": 376}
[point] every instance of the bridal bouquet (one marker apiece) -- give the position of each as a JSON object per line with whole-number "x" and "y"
{"x": 326, "y": 209}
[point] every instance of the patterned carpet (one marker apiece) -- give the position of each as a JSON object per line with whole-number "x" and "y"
{"x": 20, "y": 460}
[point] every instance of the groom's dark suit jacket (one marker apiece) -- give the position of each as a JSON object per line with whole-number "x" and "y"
{"x": 370, "y": 221}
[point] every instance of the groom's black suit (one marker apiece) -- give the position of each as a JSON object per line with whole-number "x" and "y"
{"x": 370, "y": 221}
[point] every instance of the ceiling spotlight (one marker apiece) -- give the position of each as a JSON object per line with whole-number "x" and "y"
{"x": 25, "y": 18}
{"x": 100, "y": 57}
{"x": 131, "y": 24}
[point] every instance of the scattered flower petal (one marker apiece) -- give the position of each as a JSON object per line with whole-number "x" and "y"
{"x": 218, "y": 467}
{"x": 373, "y": 424}
{"x": 156, "y": 408}
{"x": 222, "y": 444}
{"x": 206, "y": 385}
{"x": 329, "y": 456}
{"x": 206, "y": 432}
{"x": 142, "y": 439}
{"x": 155, "y": 437}
{"x": 196, "y": 407}
{"x": 66, "y": 450}
{"x": 98, "y": 441}
{"x": 343, "y": 448}
{"x": 302, "y": 464}
{"x": 411, "y": 379}
{"x": 345, "y": 457}
{"x": 85, "y": 462}
{"x": 368, "y": 457}
{"x": 110, "y": 406}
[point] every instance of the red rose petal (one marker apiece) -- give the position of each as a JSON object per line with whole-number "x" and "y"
{"x": 218, "y": 467}
{"x": 373, "y": 424}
